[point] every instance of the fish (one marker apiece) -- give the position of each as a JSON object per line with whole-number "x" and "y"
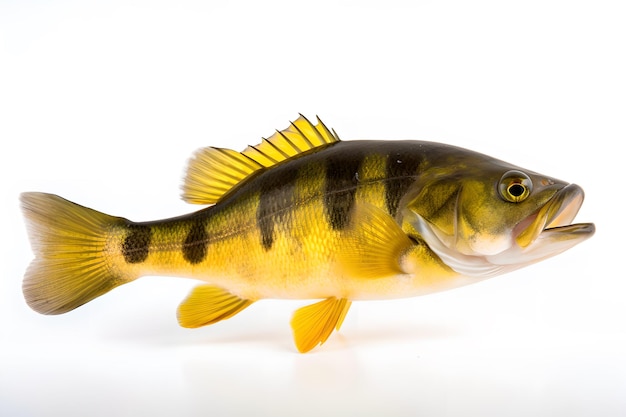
{"x": 306, "y": 216}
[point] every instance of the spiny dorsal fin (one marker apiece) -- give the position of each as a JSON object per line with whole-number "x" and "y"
{"x": 212, "y": 172}
{"x": 208, "y": 304}
{"x": 313, "y": 324}
{"x": 299, "y": 137}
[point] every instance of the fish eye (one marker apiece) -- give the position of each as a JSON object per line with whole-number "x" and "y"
{"x": 515, "y": 186}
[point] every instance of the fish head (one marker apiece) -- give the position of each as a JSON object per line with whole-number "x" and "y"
{"x": 484, "y": 217}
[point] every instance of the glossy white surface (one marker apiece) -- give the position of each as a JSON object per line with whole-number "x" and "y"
{"x": 102, "y": 103}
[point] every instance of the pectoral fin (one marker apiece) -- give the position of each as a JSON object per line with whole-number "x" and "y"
{"x": 374, "y": 244}
{"x": 207, "y": 305}
{"x": 313, "y": 324}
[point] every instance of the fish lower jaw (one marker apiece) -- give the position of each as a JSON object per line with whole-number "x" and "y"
{"x": 557, "y": 214}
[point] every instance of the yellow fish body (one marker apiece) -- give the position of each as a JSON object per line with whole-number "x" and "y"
{"x": 304, "y": 215}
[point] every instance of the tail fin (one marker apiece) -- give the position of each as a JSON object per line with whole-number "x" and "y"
{"x": 73, "y": 259}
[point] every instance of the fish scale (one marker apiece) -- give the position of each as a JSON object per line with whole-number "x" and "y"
{"x": 304, "y": 215}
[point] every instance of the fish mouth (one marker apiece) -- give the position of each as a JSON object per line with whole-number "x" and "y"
{"x": 553, "y": 221}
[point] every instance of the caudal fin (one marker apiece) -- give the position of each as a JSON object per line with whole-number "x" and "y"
{"x": 73, "y": 263}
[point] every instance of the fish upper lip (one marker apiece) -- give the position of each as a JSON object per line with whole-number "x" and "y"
{"x": 556, "y": 216}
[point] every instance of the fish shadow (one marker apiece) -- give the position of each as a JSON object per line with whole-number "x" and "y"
{"x": 274, "y": 336}
{"x": 412, "y": 333}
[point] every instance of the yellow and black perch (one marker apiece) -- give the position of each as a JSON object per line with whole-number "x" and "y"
{"x": 304, "y": 215}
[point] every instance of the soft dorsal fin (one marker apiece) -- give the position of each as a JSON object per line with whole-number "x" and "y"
{"x": 212, "y": 172}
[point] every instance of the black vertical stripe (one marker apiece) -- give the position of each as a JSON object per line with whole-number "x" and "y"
{"x": 196, "y": 244}
{"x": 400, "y": 171}
{"x": 276, "y": 189}
{"x": 340, "y": 190}
{"x": 136, "y": 245}
{"x": 266, "y": 227}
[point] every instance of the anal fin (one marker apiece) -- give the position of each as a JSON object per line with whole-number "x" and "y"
{"x": 313, "y": 324}
{"x": 208, "y": 304}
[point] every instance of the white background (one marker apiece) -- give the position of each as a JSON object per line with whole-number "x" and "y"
{"x": 103, "y": 102}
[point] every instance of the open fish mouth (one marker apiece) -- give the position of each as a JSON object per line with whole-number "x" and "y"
{"x": 553, "y": 221}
